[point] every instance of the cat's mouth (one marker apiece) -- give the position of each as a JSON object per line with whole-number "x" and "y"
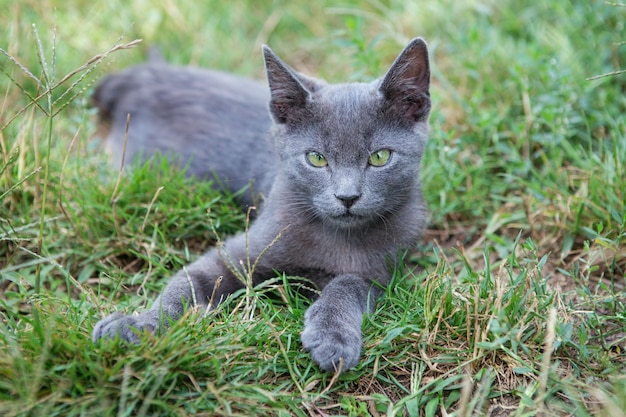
{"x": 349, "y": 220}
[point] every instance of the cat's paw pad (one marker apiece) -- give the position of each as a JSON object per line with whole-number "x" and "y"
{"x": 331, "y": 343}
{"x": 118, "y": 324}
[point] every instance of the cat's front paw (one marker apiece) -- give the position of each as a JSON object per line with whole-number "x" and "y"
{"x": 332, "y": 337}
{"x": 126, "y": 327}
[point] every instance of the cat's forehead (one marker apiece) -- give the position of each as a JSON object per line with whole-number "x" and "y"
{"x": 346, "y": 96}
{"x": 346, "y": 123}
{"x": 346, "y": 106}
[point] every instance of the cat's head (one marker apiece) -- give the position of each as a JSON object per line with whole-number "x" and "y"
{"x": 351, "y": 152}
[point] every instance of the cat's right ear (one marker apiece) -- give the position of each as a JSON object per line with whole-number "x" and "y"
{"x": 405, "y": 87}
{"x": 288, "y": 94}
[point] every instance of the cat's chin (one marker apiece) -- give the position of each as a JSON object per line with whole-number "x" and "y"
{"x": 348, "y": 221}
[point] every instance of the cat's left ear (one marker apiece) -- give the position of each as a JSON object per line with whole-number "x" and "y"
{"x": 405, "y": 87}
{"x": 289, "y": 90}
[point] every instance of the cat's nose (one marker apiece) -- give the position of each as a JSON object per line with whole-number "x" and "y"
{"x": 348, "y": 200}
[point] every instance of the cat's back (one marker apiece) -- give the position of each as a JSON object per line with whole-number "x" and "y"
{"x": 215, "y": 122}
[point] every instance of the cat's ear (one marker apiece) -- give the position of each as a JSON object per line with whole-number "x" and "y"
{"x": 405, "y": 87}
{"x": 289, "y": 95}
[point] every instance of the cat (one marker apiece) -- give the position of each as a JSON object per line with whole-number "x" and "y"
{"x": 339, "y": 177}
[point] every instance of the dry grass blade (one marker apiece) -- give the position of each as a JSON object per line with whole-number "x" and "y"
{"x": 608, "y": 74}
{"x": 47, "y": 90}
{"x": 21, "y": 67}
{"x": 96, "y": 59}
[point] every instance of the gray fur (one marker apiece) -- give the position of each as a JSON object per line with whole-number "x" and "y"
{"x": 342, "y": 225}
{"x": 217, "y": 123}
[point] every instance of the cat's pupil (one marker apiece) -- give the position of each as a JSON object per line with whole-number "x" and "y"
{"x": 316, "y": 159}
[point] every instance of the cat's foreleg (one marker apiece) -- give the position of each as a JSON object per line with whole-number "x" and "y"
{"x": 332, "y": 325}
{"x": 193, "y": 287}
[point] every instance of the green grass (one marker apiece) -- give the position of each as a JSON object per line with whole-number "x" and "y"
{"x": 512, "y": 305}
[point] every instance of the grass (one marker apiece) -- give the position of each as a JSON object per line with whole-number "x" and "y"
{"x": 512, "y": 305}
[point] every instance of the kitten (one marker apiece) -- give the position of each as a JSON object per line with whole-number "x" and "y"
{"x": 340, "y": 178}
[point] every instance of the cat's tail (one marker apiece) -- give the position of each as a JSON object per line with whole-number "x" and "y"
{"x": 105, "y": 98}
{"x": 106, "y": 95}
{"x": 112, "y": 87}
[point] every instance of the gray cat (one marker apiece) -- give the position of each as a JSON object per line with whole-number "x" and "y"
{"x": 340, "y": 180}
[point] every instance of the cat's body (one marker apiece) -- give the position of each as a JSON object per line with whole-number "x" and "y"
{"x": 210, "y": 120}
{"x": 345, "y": 196}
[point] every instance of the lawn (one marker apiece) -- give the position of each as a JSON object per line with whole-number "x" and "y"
{"x": 512, "y": 305}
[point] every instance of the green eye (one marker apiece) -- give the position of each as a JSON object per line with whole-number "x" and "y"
{"x": 316, "y": 159}
{"x": 380, "y": 157}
